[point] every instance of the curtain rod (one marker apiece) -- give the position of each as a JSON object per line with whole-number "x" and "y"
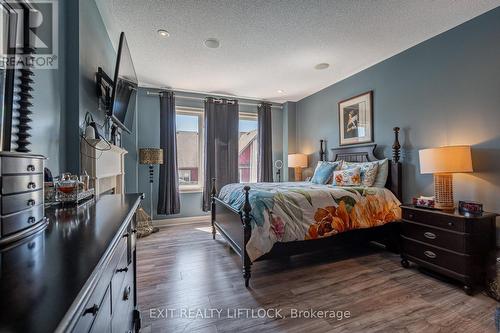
{"x": 152, "y": 93}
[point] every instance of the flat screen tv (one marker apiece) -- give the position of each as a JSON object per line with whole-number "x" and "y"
{"x": 124, "y": 88}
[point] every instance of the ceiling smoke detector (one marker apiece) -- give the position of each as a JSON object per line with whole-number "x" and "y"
{"x": 212, "y": 43}
{"x": 163, "y": 33}
{"x": 321, "y": 66}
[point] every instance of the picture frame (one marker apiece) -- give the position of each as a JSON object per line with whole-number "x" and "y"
{"x": 356, "y": 119}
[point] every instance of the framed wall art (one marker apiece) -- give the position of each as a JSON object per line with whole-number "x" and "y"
{"x": 356, "y": 119}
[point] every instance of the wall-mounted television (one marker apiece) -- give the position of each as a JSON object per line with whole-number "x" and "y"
{"x": 124, "y": 91}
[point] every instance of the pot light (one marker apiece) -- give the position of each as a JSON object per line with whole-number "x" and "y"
{"x": 321, "y": 66}
{"x": 163, "y": 33}
{"x": 212, "y": 43}
{"x": 281, "y": 91}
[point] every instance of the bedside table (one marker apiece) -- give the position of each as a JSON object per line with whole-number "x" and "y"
{"x": 455, "y": 245}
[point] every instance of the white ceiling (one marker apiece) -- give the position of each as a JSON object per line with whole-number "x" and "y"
{"x": 271, "y": 45}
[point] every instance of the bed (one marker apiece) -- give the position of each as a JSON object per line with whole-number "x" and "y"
{"x": 251, "y": 217}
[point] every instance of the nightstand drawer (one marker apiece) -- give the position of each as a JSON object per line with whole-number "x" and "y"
{"x": 435, "y": 219}
{"x": 436, "y": 256}
{"x": 433, "y": 236}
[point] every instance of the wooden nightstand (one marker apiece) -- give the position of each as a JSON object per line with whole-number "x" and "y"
{"x": 458, "y": 246}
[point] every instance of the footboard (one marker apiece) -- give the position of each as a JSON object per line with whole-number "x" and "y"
{"x": 234, "y": 226}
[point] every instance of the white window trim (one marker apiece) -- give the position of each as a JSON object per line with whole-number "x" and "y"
{"x": 200, "y": 113}
{"x": 248, "y": 116}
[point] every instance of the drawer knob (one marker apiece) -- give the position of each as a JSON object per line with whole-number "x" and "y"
{"x": 410, "y": 215}
{"x": 430, "y": 254}
{"x": 450, "y": 224}
{"x": 30, "y": 168}
{"x": 31, "y": 220}
{"x": 92, "y": 310}
{"x": 31, "y": 202}
{"x": 429, "y": 235}
{"x": 119, "y": 270}
{"x": 31, "y": 186}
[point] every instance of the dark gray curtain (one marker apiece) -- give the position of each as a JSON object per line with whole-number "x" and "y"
{"x": 168, "y": 190}
{"x": 221, "y": 145}
{"x": 265, "y": 133}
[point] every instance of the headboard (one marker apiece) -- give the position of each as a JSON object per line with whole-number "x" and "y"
{"x": 366, "y": 153}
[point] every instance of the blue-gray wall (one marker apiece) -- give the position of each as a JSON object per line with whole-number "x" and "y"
{"x": 444, "y": 91}
{"x": 148, "y": 117}
{"x": 49, "y": 100}
{"x": 96, "y": 50}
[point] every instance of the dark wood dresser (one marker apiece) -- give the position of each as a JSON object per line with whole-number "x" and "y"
{"x": 77, "y": 275}
{"x": 458, "y": 246}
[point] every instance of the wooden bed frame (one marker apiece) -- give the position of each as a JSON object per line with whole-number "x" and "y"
{"x": 235, "y": 226}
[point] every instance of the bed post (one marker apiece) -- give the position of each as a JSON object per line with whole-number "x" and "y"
{"x": 247, "y": 231}
{"x": 321, "y": 150}
{"x": 213, "y": 194}
{"x": 396, "y": 169}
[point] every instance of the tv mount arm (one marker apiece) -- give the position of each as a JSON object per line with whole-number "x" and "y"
{"x": 104, "y": 86}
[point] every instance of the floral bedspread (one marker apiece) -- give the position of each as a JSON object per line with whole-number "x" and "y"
{"x": 286, "y": 212}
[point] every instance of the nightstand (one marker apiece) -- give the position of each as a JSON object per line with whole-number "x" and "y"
{"x": 452, "y": 244}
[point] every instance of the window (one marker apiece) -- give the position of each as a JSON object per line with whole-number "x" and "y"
{"x": 248, "y": 148}
{"x": 189, "y": 124}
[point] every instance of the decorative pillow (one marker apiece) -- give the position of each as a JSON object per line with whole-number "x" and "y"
{"x": 368, "y": 171}
{"x": 324, "y": 170}
{"x": 382, "y": 173}
{"x": 347, "y": 177}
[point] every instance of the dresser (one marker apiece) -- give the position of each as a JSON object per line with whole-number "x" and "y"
{"x": 77, "y": 275}
{"x": 21, "y": 197}
{"x": 458, "y": 246}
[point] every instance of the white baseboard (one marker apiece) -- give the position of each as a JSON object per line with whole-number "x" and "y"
{"x": 181, "y": 221}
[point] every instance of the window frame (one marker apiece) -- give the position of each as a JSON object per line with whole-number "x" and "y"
{"x": 189, "y": 111}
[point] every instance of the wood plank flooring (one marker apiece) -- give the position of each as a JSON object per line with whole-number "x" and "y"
{"x": 182, "y": 269}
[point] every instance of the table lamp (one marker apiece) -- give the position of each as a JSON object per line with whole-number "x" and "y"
{"x": 151, "y": 157}
{"x": 443, "y": 162}
{"x": 297, "y": 161}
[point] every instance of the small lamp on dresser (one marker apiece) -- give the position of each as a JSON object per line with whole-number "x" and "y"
{"x": 442, "y": 162}
{"x": 151, "y": 157}
{"x": 297, "y": 161}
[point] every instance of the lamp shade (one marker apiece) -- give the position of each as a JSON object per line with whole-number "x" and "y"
{"x": 297, "y": 161}
{"x": 449, "y": 159}
{"x": 150, "y": 156}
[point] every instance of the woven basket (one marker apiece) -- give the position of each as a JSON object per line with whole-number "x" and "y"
{"x": 144, "y": 224}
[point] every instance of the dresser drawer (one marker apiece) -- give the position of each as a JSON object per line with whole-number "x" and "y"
{"x": 17, "y": 165}
{"x": 124, "y": 304}
{"x": 119, "y": 275}
{"x": 18, "y": 202}
{"x": 22, "y": 183}
{"x": 446, "y": 239}
{"x": 19, "y": 221}
{"x": 435, "y": 219}
{"x": 430, "y": 254}
{"x": 93, "y": 305}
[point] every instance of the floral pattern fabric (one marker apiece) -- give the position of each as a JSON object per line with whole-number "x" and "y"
{"x": 287, "y": 212}
{"x": 348, "y": 177}
{"x": 368, "y": 171}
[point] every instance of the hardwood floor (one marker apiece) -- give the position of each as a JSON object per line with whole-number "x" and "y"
{"x": 181, "y": 268}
